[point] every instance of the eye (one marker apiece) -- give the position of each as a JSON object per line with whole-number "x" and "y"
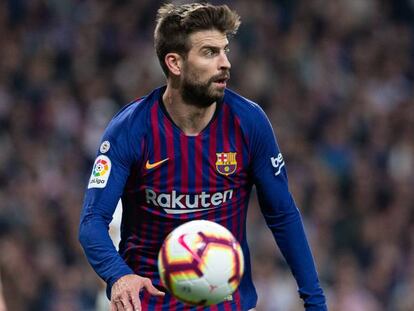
{"x": 227, "y": 50}
{"x": 210, "y": 52}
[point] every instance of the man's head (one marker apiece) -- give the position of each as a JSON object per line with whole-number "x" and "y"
{"x": 191, "y": 42}
{"x": 176, "y": 23}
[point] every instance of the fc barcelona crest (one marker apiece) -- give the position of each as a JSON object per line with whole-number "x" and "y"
{"x": 226, "y": 163}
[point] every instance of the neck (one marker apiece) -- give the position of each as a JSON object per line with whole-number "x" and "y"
{"x": 190, "y": 118}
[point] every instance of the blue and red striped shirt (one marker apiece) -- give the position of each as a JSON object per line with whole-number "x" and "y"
{"x": 166, "y": 178}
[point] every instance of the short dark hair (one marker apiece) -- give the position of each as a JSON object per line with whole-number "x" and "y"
{"x": 176, "y": 22}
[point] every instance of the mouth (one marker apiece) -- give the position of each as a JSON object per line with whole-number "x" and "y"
{"x": 221, "y": 81}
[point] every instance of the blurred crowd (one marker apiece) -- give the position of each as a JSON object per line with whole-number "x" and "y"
{"x": 336, "y": 79}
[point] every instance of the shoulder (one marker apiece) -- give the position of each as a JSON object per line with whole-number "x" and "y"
{"x": 135, "y": 115}
{"x": 240, "y": 103}
{"x": 129, "y": 127}
{"x": 248, "y": 112}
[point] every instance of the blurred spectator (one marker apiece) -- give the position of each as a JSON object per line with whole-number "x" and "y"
{"x": 335, "y": 77}
{"x": 2, "y": 303}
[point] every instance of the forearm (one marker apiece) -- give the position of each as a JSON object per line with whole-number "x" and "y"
{"x": 289, "y": 234}
{"x": 100, "y": 251}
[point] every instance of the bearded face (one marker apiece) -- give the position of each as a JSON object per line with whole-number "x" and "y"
{"x": 203, "y": 93}
{"x": 205, "y": 69}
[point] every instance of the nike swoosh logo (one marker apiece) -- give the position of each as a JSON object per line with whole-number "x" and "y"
{"x": 149, "y": 165}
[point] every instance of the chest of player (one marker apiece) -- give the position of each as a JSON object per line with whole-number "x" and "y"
{"x": 194, "y": 163}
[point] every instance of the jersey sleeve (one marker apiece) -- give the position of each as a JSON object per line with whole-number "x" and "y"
{"x": 119, "y": 150}
{"x": 280, "y": 211}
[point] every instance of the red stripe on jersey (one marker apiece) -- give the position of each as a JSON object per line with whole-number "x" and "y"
{"x": 159, "y": 303}
{"x": 198, "y": 164}
{"x": 145, "y": 300}
{"x": 226, "y": 134}
{"x": 156, "y": 144}
{"x": 169, "y": 138}
{"x": 237, "y": 300}
{"x": 173, "y": 305}
{"x": 227, "y": 306}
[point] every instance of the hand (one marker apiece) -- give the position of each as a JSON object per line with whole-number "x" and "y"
{"x": 125, "y": 292}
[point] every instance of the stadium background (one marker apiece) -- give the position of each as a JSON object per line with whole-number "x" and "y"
{"x": 336, "y": 79}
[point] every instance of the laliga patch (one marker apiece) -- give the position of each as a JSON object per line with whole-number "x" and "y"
{"x": 100, "y": 172}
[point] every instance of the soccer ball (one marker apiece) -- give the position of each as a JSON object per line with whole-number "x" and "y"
{"x": 201, "y": 263}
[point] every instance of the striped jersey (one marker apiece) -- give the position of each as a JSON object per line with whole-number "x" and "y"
{"x": 165, "y": 178}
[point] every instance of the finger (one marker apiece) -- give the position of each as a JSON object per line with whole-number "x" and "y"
{"x": 152, "y": 289}
{"x": 126, "y": 304}
{"x": 136, "y": 303}
{"x": 114, "y": 306}
{"x": 119, "y": 306}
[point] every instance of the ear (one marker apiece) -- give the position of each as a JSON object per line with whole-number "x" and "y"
{"x": 174, "y": 63}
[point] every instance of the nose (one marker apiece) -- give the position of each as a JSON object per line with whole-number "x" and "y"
{"x": 224, "y": 62}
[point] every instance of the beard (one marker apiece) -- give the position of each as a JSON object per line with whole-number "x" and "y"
{"x": 202, "y": 94}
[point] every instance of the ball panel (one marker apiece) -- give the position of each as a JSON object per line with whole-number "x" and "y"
{"x": 220, "y": 263}
{"x": 191, "y": 291}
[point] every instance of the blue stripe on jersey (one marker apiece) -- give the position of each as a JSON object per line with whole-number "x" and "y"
{"x": 220, "y": 307}
{"x": 151, "y": 303}
{"x": 245, "y": 161}
{"x": 191, "y": 176}
{"x": 183, "y": 188}
{"x": 166, "y": 303}
{"x": 241, "y": 152}
{"x": 152, "y": 141}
